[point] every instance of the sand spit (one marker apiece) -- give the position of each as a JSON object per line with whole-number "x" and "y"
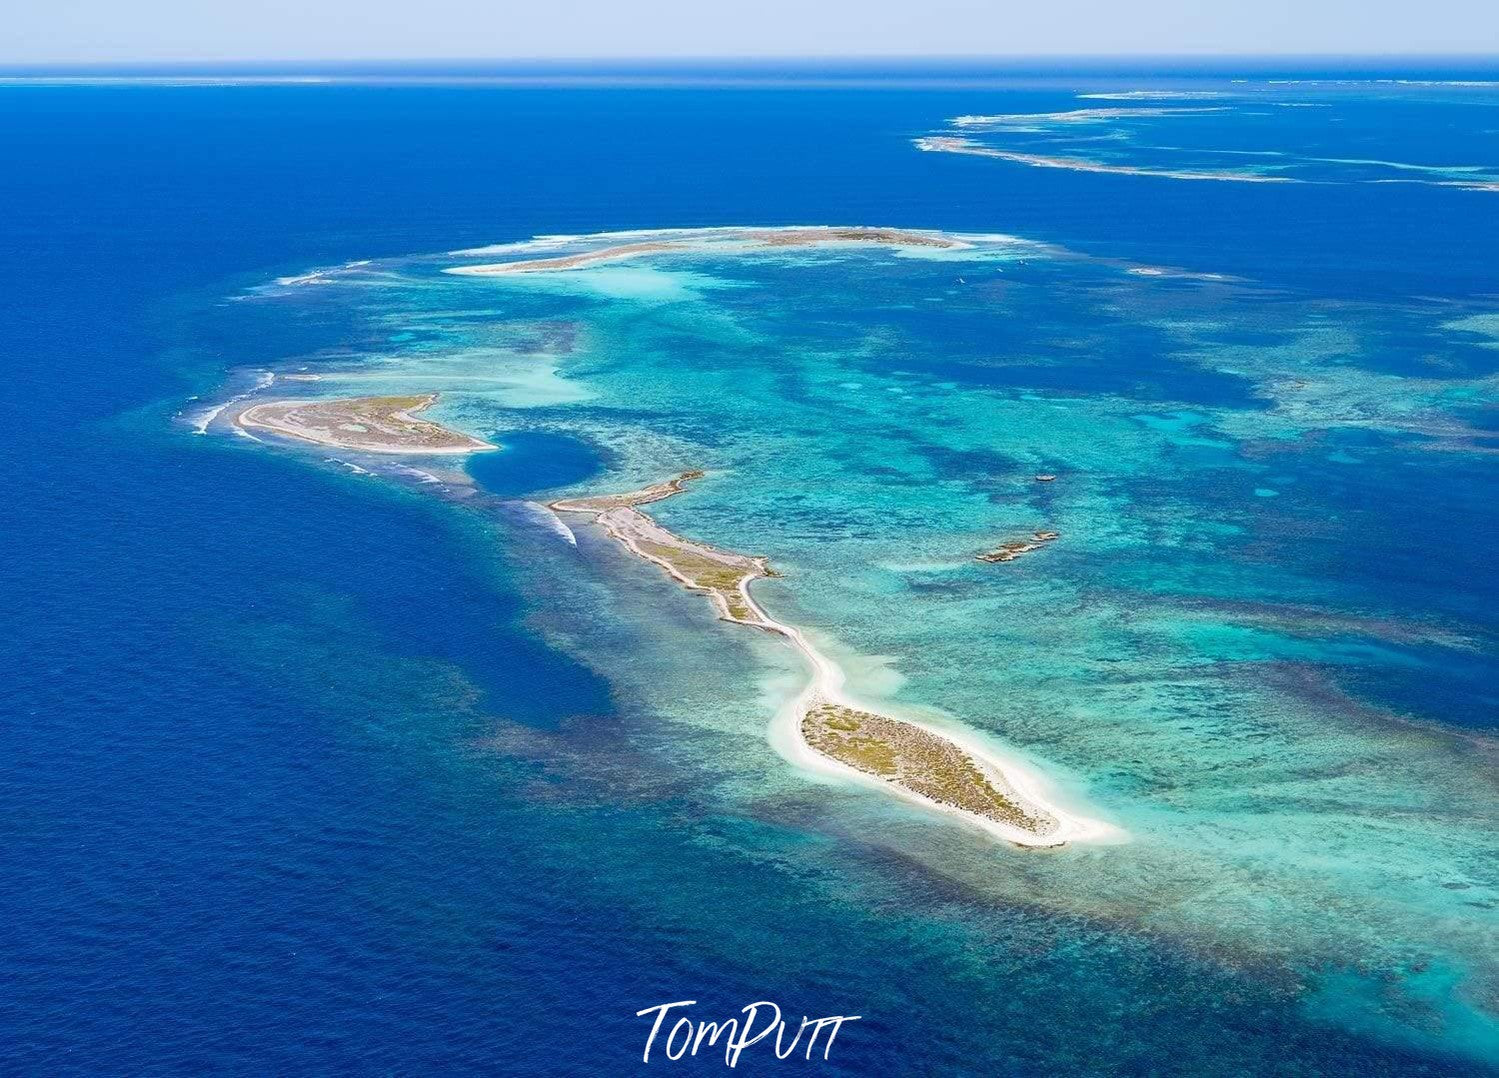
{"x": 753, "y": 238}
{"x": 363, "y": 424}
{"x": 723, "y": 576}
{"x": 830, "y": 731}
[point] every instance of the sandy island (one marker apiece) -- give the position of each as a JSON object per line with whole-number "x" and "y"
{"x": 831, "y": 731}
{"x": 365, "y": 424}
{"x": 766, "y": 237}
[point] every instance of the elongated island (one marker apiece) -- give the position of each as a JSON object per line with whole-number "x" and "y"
{"x": 829, "y": 731}
{"x": 718, "y": 239}
{"x": 366, "y": 424}
{"x": 912, "y": 759}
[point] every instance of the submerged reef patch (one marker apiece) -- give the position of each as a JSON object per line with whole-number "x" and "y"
{"x": 917, "y": 761}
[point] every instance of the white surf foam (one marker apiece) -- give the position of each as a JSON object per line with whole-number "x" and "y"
{"x": 550, "y": 521}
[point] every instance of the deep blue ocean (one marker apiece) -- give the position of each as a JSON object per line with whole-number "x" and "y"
{"x": 284, "y": 760}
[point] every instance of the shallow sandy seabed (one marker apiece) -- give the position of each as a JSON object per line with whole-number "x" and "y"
{"x": 917, "y": 762}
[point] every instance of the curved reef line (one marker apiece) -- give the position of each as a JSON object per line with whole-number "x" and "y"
{"x": 823, "y": 728}
{"x": 964, "y": 145}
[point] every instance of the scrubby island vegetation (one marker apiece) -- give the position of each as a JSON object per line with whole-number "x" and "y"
{"x": 920, "y": 761}
{"x": 367, "y": 424}
{"x": 644, "y": 496}
{"x": 910, "y": 757}
{"x": 723, "y": 575}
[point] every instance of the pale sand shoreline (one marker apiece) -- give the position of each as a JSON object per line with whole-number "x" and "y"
{"x": 726, "y": 576}
{"x": 755, "y": 238}
{"x": 361, "y": 424}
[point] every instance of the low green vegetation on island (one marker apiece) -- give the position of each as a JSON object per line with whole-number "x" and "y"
{"x": 722, "y": 579}
{"x": 909, "y": 757}
{"x": 368, "y": 424}
{"x": 917, "y": 760}
{"x": 723, "y": 575}
{"x": 645, "y": 495}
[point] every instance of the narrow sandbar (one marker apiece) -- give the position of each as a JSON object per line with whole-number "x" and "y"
{"x": 907, "y": 758}
{"x": 722, "y": 575}
{"x": 921, "y": 762}
{"x": 363, "y": 424}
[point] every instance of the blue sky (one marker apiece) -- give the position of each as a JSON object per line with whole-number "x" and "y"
{"x": 42, "y": 31}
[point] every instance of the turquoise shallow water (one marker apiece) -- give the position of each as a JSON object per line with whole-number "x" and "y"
{"x": 1211, "y": 658}
{"x": 315, "y": 764}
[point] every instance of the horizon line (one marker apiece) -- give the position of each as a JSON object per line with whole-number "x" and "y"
{"x": 751, "y": 60}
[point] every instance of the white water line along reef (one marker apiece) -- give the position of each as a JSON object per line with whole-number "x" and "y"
{"x": 918, "y": 762}
{"x": 1014, "y": 548}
